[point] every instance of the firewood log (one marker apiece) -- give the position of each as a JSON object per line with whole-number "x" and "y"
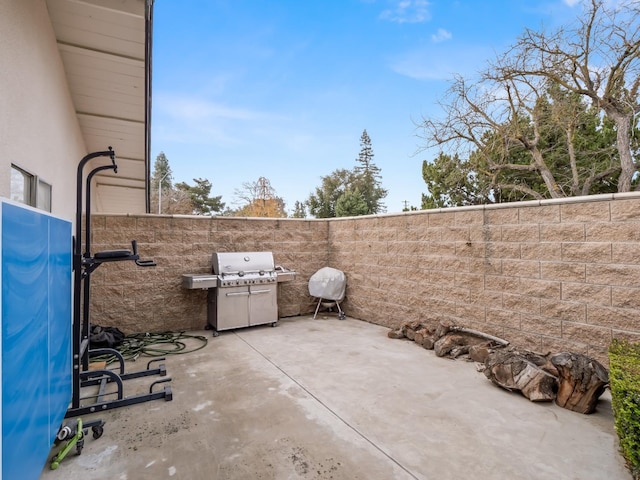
{"x": 447, "y": 343}
{"x": 514, "y": 372}
{"x": 395, "y": 333}
{"x": 420, "y": 335}
{"x": 428, "y": 342}
{"x": 582, "y": 381}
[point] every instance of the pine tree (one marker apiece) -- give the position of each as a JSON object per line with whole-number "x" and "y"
{"x": 368, "y": 177}
{"x": 161, "y": 173}
{"x": 162, "y": 191}
{"x": 350, "y": 192}
{"x": 351, "y": 204}
{"x": 202, "y": 202}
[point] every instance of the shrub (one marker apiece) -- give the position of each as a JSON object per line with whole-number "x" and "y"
{"x": 624, "y": 377}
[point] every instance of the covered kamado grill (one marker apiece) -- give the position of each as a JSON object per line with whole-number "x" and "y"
{"x": 242, "y": 289}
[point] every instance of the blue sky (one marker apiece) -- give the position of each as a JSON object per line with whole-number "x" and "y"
{"x": 283, "y": 89}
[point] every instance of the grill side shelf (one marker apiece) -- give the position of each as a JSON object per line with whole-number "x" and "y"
{"x": 196, "y": 280}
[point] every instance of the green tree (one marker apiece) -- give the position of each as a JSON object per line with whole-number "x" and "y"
{"x": 299, "y": 210}
{"x": 361, "y": 184}
{"x": 322, "y": 203}
{"x": 368, "y": 177}
{"x": 351, "y": 204}
{"x": 162, "y": 176}
{"x": 452, "y": 182}
{"x": 579, "y": 142}
{"x": 199, "y": 194}
{"x": 164, "y": 197}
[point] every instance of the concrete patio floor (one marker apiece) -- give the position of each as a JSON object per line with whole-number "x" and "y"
{"x": 331, "y": 399}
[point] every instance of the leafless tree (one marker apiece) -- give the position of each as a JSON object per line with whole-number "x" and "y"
{"x": 546, "y": 82}
{"x": 599, "y": 59}
{"x": 259, "y": 199}
{"x": 174, "y": 201}
{"x": 489, "y": 118}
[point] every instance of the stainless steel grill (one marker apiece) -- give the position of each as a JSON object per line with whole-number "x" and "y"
{"x": 246, "y": 292}
{"x": 244, "y": 268}
{"x": 242, "y": 289}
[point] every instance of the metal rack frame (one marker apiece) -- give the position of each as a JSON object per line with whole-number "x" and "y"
{"x": 84, "y": 264}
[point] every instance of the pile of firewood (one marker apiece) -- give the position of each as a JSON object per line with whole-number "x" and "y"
{"x": 573, "y": 380}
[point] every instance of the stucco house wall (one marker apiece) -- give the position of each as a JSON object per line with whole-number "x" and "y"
{"x": 39, "y": 131}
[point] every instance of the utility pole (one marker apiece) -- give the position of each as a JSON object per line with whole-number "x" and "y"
{"x": 160, "y": 193}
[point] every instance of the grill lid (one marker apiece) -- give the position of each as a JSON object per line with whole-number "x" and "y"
{"x": 242, "y": 263}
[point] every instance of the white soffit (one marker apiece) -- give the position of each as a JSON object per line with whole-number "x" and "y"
{"x": 102, "y": 46}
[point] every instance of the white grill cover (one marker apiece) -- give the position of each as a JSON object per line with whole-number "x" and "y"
{"x": 328, "y": 283}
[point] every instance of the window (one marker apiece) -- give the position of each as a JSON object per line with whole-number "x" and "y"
{"x": 43, "y": 197}
{"x": 21, "y": 183}
{"x": 29, "y": 189}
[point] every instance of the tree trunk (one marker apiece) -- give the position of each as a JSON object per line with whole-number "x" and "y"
{"x": 623, "y": 143}
{"x": 571, "y": 150}
{"x": 582, "y": 381}
{"x": 514, "y": 372}
{"x": 545, "y": 173}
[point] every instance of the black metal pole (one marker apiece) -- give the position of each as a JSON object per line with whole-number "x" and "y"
{"x": 77, "y": 276}
{"x": 86, "y": 288}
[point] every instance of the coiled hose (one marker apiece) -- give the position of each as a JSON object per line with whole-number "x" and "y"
{"x": 155, "y": 345}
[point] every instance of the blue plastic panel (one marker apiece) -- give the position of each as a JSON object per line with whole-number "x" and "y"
{"x": 36, "y": 336}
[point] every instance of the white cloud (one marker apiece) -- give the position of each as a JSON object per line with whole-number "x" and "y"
{"x": 407, "y": 11}
{"x": 441, "y": 63}
{"x": 572, "y": 3}
{"x": 441, "y": 35}
{"x": 184, "y": 118}
{"x": 195, "y": 109}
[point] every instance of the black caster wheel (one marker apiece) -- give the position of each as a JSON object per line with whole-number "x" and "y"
{"x": 215, "y": 333}
{"x": 80, "y": 446}
{"x": 274, "y": 324}
{"x": 98, "y": 430}
{"x": 342, "y": 316}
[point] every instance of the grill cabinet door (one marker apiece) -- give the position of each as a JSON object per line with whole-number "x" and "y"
{"x": 263, "y": 304}
{"x": 233, "y": 307}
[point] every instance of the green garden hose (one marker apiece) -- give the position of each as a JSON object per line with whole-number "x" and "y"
{"x": 155, "y": 345}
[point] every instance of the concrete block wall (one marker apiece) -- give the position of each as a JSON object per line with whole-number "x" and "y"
{"x": 141, "y": 299}
{"x": 549, "y": 276}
